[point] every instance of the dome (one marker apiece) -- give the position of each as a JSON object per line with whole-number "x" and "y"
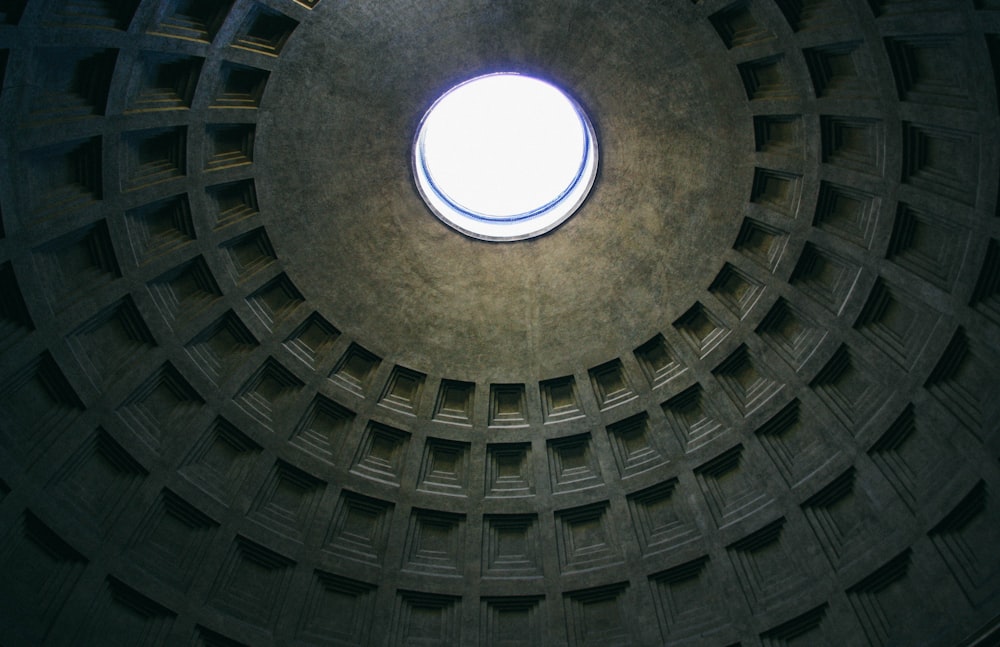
{"x": 254, "y": 391}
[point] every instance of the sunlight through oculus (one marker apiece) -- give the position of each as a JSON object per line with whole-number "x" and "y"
{"x": 504, "y": 157}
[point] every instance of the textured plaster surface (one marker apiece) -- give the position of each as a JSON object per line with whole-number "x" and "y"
{"x": 674, "y": 170}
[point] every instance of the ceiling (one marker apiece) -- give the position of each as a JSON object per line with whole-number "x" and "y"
{"x": 254, "y": 392}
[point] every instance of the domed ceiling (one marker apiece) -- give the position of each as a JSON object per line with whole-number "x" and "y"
{"x": 254, "y": 392}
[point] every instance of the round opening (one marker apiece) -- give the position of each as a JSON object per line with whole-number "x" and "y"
{"x": 504, "y": 157}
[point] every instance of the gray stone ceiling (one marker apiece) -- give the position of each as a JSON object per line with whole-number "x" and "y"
{"x": 253, "y": 392}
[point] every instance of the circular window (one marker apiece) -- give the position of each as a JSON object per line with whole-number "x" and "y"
{"x": 504, "y": 157}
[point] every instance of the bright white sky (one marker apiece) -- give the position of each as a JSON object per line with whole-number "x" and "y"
{"x": 503, "y": 145}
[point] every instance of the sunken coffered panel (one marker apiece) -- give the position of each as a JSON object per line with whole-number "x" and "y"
{"x": 252, "y": 392}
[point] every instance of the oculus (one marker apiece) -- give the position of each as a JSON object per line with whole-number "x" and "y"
{"x": 504, "y": 157}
